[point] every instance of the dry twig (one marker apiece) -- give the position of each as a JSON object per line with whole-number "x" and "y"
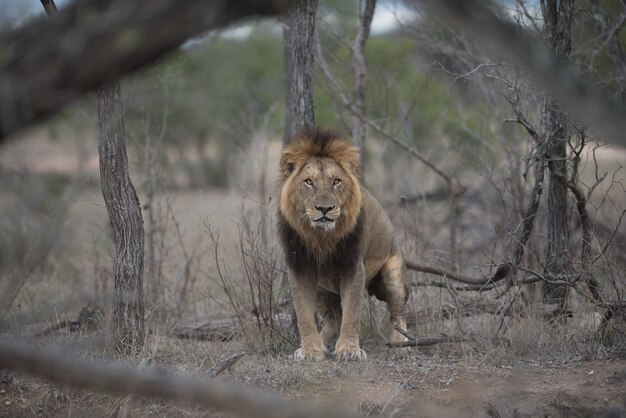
{"x": 226, "y": 364}
{"x": 424, "y": 341}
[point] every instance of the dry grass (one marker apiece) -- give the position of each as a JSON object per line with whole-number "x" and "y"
{"x": 549, "y": 363}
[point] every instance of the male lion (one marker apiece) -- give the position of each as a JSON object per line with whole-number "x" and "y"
{"x": 337, "y": 241}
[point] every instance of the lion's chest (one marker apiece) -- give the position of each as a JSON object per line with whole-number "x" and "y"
{"x": 327, "y": 260}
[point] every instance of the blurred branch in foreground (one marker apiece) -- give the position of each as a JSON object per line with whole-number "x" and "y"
{"x": 125, "y": 381}
{"x": 47, "y": 64}
{"x": 593, "y": 105}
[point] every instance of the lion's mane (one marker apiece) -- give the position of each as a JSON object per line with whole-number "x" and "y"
{"x": 300, "y": 240}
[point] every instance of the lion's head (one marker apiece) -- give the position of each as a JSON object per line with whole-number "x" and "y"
{"x": 320, "y": 193}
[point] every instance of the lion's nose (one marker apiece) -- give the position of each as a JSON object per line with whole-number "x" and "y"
{"x": 324, "y": 209}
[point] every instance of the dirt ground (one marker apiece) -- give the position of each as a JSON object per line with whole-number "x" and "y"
{"x": 409, "y": 382}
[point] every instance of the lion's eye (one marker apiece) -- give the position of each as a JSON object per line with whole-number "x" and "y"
{"x": 336, "y": 182}
{"x": 309, "y": 182}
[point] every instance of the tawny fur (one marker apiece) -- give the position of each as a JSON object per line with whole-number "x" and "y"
{"x": 331, "y": 150}
{"x": 321, "y": 169}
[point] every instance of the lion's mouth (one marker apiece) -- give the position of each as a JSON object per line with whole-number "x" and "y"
{"x": 324, "y": 219}
{"x": 324, "y": 224}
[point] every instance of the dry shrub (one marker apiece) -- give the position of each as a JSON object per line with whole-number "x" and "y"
{"x": 33, "y": 210}
{"x": 256, "y": 291}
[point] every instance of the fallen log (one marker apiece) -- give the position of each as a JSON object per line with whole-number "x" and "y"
{"x": 216, "y": 330}
{"x": 125, "y": 381}
{"x": 90, "y": 318}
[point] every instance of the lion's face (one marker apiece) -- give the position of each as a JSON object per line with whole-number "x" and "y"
{"x": 321, "y": 189}
{"x": 320, "y": 193}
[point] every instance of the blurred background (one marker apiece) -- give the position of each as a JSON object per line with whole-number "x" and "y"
{"x": 205, "y": 127}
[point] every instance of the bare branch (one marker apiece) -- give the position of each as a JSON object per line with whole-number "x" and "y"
{"x": 531, "y": 212}
{"x": 226, "y": 364}
{"x": 593, "y": 105}
{"x": 404, "y": 332}
{"x": 426, "y": 341}
{"x": 345, "y": 102}
{"x": 522, "y": 120}
{"x": 502, "y": 272}
{"x": 50, "y": 63}
{"x": 49, "y": 7}
{"x": 443, "y": 284}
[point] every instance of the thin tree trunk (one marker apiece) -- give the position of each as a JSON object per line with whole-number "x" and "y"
{"x": 122, "y": 204}
{"x": 124, "y": 211}
{"x": 359, "y": 127}
{"x": 558, "y": 20}
{"x": 299, "y": 62}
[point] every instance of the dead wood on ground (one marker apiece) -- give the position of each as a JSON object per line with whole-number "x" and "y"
{"x": 216, "y": 330}
{"x": 125, "y": 381}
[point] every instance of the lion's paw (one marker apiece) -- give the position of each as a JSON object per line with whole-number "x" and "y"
{"x": 350, "y": 353}
{"x": 309, "y": 354}
{"x": 396, "y": 337}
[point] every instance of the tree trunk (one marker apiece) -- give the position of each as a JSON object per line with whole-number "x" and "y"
{"x": 124, "y": 211}
{"x": 557, "y": 15}
{"x": 299, "y": 62}
{"x": 359, "y": 127}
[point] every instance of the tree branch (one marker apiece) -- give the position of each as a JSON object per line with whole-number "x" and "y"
{"x": 125, "y": 381}
{"x": 345, "y": 102}
{"x": 593, "y": 105}
{"x": 503, "y": 271}
{"x": 49, "y": 63}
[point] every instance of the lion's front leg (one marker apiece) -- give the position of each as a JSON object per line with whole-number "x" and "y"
{"x": 304, "y": 292}
{"x": 348, "y": 347}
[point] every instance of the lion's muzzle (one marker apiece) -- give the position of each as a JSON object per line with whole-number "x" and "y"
{"x": 326, "y": 222}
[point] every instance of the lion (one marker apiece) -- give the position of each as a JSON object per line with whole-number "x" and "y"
{"x": 337, "y": 241}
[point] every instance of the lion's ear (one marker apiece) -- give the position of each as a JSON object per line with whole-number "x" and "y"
{"x": 287, "y": 165}
{"x": 354, "y": 162}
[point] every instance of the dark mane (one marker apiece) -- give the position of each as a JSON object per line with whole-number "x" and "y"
{"x": 320, "y": 139}
{"x": 342, "y": 260}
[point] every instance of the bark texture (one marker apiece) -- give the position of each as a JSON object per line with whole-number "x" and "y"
{"x": 124, "y": 211}
{"x": 359, "y": 126}
{"x": 299, "y": 62}
{"x": 557, "y": 16}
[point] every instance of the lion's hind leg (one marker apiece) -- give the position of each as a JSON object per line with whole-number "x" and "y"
{"x": 329, "y": 308}
{"x": 393, "y": 287}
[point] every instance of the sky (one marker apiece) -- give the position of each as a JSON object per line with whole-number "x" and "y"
{"x": 385, "y": 18}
